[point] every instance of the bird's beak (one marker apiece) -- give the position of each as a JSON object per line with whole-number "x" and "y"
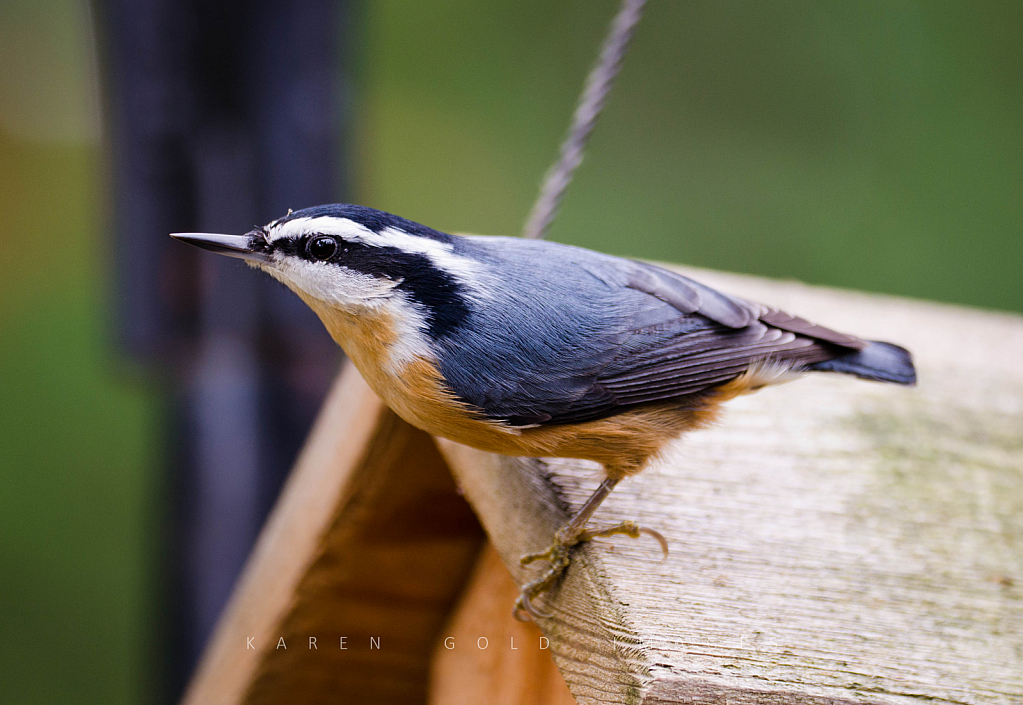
{"x": 240, "y": 246}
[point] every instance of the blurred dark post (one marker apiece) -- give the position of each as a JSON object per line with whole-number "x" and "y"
{"x": 221, "y": 116}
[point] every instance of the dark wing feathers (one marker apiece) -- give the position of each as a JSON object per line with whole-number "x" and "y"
{"x": 689, "y": 296}
{"x": 780, "y": 319}
{"x": 709, "y": 361}
{"x": 663, "y": 368}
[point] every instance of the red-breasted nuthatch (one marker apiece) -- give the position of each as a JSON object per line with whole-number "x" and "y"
{"x": 526, "y": 347}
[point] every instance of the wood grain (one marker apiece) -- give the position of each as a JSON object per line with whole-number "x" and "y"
{"x": 832, "y": 540}
{"x": 486, "y": 656}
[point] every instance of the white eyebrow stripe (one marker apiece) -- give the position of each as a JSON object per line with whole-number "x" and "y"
{"x": 440, "y": 253}
{"x": 392, "y": 237}
{"x": 296, "y": 228}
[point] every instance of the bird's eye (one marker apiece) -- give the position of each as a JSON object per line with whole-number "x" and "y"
{"x": 322, "y": 248}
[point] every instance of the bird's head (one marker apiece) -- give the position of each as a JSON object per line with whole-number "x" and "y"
{"x": 359, "y": 261}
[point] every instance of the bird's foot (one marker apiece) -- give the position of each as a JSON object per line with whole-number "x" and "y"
{"x": 558, "y": 555}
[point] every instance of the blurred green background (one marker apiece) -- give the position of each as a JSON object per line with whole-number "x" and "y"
{"x": 871, "y": 145}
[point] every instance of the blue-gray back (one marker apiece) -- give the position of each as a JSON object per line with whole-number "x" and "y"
{"x": 569, "y": 335}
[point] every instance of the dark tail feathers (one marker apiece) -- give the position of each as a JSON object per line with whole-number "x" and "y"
{"x": 881, "y": 362}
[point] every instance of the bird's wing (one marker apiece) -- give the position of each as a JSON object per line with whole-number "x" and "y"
{"x": 621, "y": 334}
{"x": 662, "y": 363}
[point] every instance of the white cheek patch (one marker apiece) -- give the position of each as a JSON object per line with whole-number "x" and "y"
{"x": 329, "y": 283}
{"x": 412, "y": 342}
{"x": 361, "y": 294}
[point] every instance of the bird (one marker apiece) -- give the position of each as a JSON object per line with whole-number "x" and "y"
{"x": 535, "y": 348}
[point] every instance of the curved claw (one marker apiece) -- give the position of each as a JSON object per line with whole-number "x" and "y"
{"x": 523, "y": 604}
{"x": 659, "y": 537}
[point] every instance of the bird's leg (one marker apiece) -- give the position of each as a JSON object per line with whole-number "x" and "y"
{"x": 567, "y": 537}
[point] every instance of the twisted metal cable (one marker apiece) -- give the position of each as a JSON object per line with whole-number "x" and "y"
{"x": 591, "y": 103}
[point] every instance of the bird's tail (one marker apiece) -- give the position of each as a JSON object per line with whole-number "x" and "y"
{"x": 881, "y": 362}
